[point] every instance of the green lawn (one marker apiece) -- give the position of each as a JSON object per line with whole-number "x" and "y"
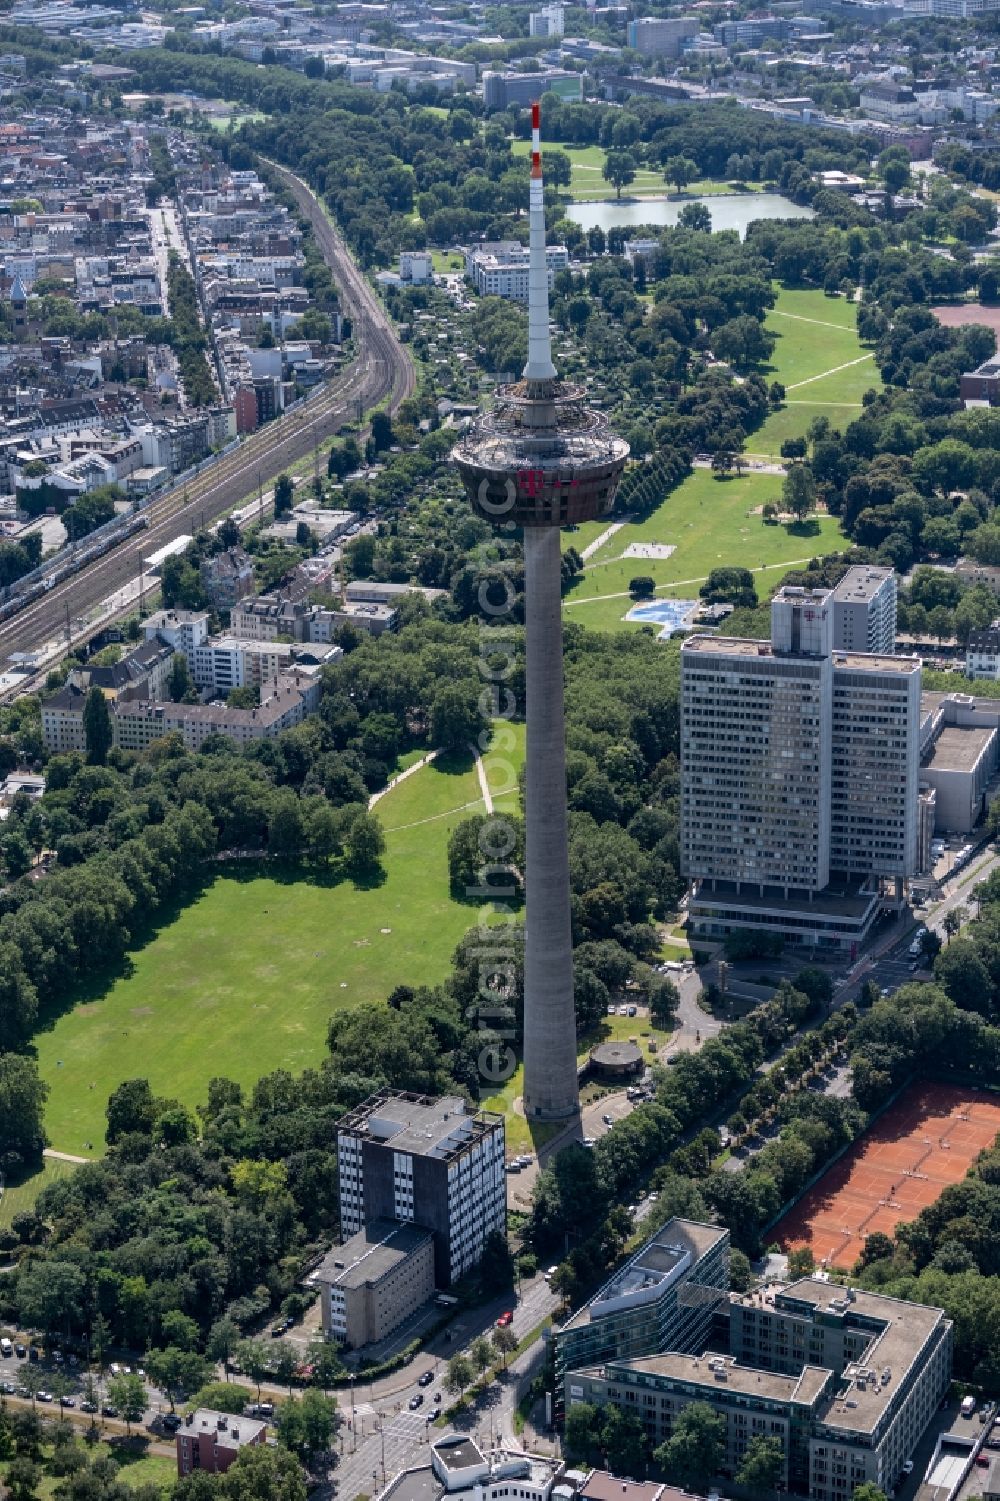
{"x": 587, "y": 181}
{"x": 135, "y": 1467}
{"x": 236, "y": 119}
{"x": 444, "y": 261}
{"x": 712, "y": 522}
{"x": 244, "y": 979}
{"x": 21, "y": 1195}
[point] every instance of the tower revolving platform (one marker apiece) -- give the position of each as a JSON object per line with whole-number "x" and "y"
{"x": 540, "y": 457}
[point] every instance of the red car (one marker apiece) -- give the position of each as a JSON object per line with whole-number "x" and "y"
{"x": 505, "y": 1319}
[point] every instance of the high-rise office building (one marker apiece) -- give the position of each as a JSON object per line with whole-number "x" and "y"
{"x": 540, "y": 460}
{"x": 433, "y": 1163}
{"x": 864, "y": 610}
{"x": 799, "y": 775}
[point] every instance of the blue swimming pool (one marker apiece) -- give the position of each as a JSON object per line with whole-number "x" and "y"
{"x": 669, "y": 613}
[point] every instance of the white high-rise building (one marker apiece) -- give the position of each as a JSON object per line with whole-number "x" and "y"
{"x": 799, "y": 777}
{"x": 864, "y": 610}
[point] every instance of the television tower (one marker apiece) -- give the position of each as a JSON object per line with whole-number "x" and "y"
{"x": 539, "y": 460}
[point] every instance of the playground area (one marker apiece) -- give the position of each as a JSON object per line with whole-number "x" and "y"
{"x": 927, "y": 1140}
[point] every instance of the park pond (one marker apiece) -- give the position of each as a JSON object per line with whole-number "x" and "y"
{"x": 729, "y": 211}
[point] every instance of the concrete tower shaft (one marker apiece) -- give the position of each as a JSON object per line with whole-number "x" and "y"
{"x": 539, "y": 460}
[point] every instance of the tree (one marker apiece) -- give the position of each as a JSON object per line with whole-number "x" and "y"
{"x": 366, "y": 844}
{"x": 455, "y": 719}
{"x": 722, "y": 461}
{"x": 264, "y": 1474}
{"x": 459, "y": 1374}
{"x": 177, "y": 1372}
{"x": 98, "y": 733}
{"x": 694, "y": 1452}
{"x": 894, "y": 168}
{"x": 619, "y": 170}
{"x": 306, "y": 1425}
{"x": 131, "y": 1109}
{"x": 284, "y": 494}
{"x": 23, "y": 1478}
{"x": 877, "y": 1247}
{"x": 504, "y": 1342}
{"x": 680, "y": 170}
{"x": 179, "y": 678}
{"x": 695, "y": 216}
{"x": 642, "y": 586}
{"x": 740, "y": 1272}
{"x": 868, "y": 1492}
{"x": 664, "y": 998}
{"x": 963, "y": 976}
{"x": 22, "y": 1104}
{"x": 51, "y": 1295}
{"x": 816, "y": 984}
{"x": 954, "y": 921}
{"x": 480, "y": 1354}
{"x": 129, "y": 1395}
{"x": 582, "y": 1433}
{"x": 253, "y": 1358}
{"x": 798, "y": 491}
{"x": 801, "y": 1262}
{"x": 762, "y": 1465}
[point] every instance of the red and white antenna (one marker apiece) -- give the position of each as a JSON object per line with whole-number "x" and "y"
{"x": 539, "y": 366}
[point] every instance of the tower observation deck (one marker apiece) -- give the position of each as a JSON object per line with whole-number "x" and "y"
{"x": 538, "y": 460}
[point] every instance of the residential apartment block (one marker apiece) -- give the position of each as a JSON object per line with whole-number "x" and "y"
{"x": 428, "y": 1162}
{"x": 664, "y": 1298}
{"x": 500, "y": 268}
{"x": 846, "y": 1381}
{"x": 212, "y": 1441}
{"x": 800, "y": 770}
{"x": 137, "y": 722}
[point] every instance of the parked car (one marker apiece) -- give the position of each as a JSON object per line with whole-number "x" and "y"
{"x": 86, "y": 1406}
{"x": 109, "y": 1411}
{"x": 172, "y": 1421}
{"x": 505, "y": 1318}
{"x": 45, "y": 1396}
{"x": 908, "y": 1467}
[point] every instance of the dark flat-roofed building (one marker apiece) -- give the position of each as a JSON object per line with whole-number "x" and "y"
{"x": 428, "y": 1162}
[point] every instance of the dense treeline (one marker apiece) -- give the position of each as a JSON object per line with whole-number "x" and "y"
{"x": 188, "y": 339}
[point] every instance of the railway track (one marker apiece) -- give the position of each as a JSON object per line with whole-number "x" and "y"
{"x": 381, "y": 370}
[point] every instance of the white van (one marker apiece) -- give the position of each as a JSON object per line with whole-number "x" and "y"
{"x": 6, "y": 1348}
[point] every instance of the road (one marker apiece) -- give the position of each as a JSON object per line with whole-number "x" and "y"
{"x": 381, "y": 369}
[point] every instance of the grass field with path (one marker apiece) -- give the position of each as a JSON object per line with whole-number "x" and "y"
{"x": 710, "y": 522}
{"x": 587, "y": 182}
{"x": 20, "y": 1196}
{"x": 244, "y": 979}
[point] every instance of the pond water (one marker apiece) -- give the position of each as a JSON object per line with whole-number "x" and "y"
{"x": 729, "y": 211}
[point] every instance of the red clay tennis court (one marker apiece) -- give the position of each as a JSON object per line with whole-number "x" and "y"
{"x": 923, "y": 1142}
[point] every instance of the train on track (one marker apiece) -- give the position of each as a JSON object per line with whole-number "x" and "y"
{"x": 18, "y": 596}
